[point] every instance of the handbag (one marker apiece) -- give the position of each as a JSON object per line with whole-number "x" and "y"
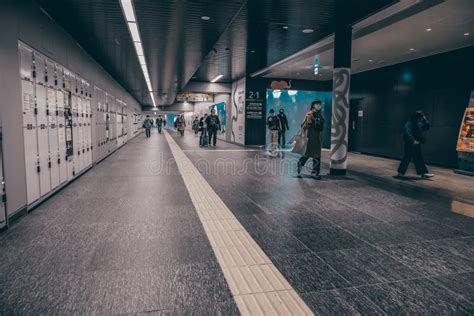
{"x": 300, "y": 142}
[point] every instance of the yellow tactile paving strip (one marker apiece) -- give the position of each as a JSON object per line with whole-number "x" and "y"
{"x": 257, "y": 286}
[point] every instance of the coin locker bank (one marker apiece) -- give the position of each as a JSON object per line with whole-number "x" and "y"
{"x": 57, "y": 123}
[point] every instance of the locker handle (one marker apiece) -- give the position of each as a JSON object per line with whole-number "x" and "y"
{"x": 55, "y": 82}
{"x": 46, "y": 78}
{"x": 47, "y": 112}
{"x": 59, "y": 161}
{"x": 35, "y": 111}
{"x": 4, "y": 198}
{"x": 49, "y": 164}
{"x": 38, "y": 169}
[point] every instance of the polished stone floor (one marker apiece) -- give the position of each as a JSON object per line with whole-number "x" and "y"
{"x": 125, "y": 238}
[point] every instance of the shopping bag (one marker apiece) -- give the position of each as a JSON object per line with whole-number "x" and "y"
{"x": 299, "y": 143}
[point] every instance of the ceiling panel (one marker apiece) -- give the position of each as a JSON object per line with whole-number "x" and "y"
{"x": 447, "y": 22}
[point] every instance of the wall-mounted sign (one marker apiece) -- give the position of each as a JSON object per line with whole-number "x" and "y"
{"x": 316, "y": 65}
{"x": 254, "y": 105}
{"x": 195, "y": 97}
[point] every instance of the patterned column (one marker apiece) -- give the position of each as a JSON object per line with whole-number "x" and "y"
{"x": 340, "y": 120}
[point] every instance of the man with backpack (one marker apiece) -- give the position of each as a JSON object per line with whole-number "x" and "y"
{"x": 147, "y": 125}
{"x": 159, "y": 123}
{"x": 213, "y": 125}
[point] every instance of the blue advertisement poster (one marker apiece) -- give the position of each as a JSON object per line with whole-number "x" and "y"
{"x": 170, "y": 121}
{"x": 221, "y": 112}
{"x": 296, "y": 103}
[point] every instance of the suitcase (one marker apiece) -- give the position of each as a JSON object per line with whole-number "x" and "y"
{"x": 203, "y": 139}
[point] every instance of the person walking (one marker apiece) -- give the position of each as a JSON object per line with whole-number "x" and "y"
{"x": 283, "y": 128}
{"x": 413, "y": 138}
{"x": 213, "y": 126}
{"x": 313, "y": 125}
{"x": 196, "y": 126}
{"x": 203, "y": 138}
{"x": 181, "y": 124}
{"x": 273, "y": 124}
{"x": 159, "y": 123}
{"x": 147, "y": 125}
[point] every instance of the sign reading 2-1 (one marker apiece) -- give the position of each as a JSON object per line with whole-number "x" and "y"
{"x": 254, "y": 95}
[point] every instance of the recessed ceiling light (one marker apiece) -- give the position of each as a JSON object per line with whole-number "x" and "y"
{"x": 252, "y": 51}
{"x": 428, "y": 30}
{"x": 285, "y": 27}
{"x": 466, "y": 34}
{"x": 412, "y": 49}
{"x": 370, "y": 60}
{"x": 205, "y": 18}
{"x": 308, "y": 31}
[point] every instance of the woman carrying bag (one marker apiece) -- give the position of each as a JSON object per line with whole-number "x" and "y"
{"x": 309, "y": 141}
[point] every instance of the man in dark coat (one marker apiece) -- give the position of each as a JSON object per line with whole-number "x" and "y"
{"x": 213, "y": 125}
{"x": 283, "y": 128}
{"x": 413, "y": 137}
{"x": 313, "y": 124}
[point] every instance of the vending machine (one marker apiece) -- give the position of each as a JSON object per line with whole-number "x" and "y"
{"x": 465, "y": 144}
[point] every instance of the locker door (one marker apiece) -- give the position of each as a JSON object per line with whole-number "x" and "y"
{"x": 59, "y": 81}
{"x": 53, "y": 137}
{"x": 50, "y": 76}
{"x": 66, "y": 80}
{"x": 68, "y": 119}
{"x": 75, "y": 137}
{"x": 89, "y": 131}
{"x": 30, "y": 142}
{"x": 80, "y": 133}
{"x": 61, "y": 137}
{"x": 39, "y": 69}
{"x": 43, "y": 141}
{"x": 26, "y": 63}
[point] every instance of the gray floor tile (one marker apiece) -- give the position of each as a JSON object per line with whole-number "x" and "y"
{"x": 340, "y": 302}
{"x": 417, "y": 297}
{"x": 425, "y": 257}
{"x": 460, "y": 284}
{"x": 345, "y": 216}
{"x": 382, "y": 233}
{"x": 308, "y": 273}
{"x": 367, "y": 265}
{"x": 327, "y": 238}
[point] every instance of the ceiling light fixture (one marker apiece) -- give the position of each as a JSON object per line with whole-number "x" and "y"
{"x": 370, "y": 60}
{"x": 412, "y": 49}
{"x": 128, "y": 10}
{"x": 130, "y": 18}
{"x": 466, "y": 34}
{"x": 285, "y": 27}
{"x": 308, "y": 31}
{"x": 428, "y": 30}
{"x": 217, "y": 78}
{"x": 205, "y": 18}
{"x": 139, "y": 48}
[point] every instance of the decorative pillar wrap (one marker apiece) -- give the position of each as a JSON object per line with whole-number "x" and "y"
{"x": 340, "y": 120}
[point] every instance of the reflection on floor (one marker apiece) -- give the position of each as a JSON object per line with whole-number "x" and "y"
{"x": 125, "y": 238}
